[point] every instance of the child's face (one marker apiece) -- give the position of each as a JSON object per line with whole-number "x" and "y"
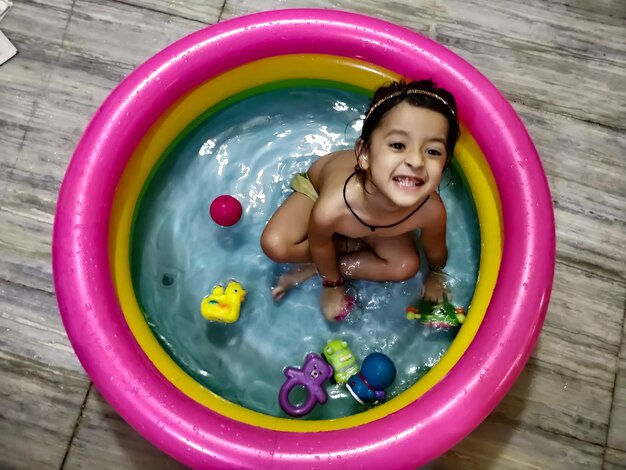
{"x": 407, "y": 154}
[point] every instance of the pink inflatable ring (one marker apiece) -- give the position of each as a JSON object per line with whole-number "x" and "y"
{"x": 203, "y": 438}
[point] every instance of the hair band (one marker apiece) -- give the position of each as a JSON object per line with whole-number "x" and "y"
{"x": 412, "y": 91}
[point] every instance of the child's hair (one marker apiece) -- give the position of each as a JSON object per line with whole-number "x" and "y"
{"x": 423, "y": 94}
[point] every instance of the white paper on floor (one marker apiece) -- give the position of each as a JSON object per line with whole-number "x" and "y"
{"x": 7, "y": 50}
{"x": 4, "y": 7}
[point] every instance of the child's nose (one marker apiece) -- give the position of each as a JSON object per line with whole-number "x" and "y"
{"x": 415, "y": 160}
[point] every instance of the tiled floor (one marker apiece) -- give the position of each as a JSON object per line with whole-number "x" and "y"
{"x": 561, "y": 63}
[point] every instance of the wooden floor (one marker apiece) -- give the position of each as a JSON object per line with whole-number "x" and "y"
{"x": 562, "y": 63}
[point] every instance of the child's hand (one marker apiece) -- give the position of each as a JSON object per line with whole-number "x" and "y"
{"x": 434, "y": 288}
{"x": 334, "y": 302}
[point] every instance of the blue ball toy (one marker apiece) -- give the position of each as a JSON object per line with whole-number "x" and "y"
{"x": 377, "y": 373}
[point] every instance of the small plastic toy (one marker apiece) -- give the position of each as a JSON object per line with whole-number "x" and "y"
{"x": 341, "y": 359}
{"x": 444, "y": 315}
{"x": 377, "y": 373}
{"x": 225, "y": 210}
{"x": 223, "y": 305}
{"x": 314, "y": 372}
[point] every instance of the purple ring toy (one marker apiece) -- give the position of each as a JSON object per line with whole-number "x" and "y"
{"x": 314, "y": 372}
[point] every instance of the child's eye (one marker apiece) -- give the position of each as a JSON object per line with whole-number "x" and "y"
{"x": 433, "y": 152}
{"x": 397, "y": 146}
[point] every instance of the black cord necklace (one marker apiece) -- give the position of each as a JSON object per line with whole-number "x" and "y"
{"x": 374, "y": 227}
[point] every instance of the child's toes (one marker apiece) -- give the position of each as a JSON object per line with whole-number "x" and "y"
{"x": 278, "y": 292}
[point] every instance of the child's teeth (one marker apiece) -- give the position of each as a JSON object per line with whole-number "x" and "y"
{"x": 406, "y": 181}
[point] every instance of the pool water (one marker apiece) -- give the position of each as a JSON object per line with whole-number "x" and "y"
{"x": 251, "y": 149}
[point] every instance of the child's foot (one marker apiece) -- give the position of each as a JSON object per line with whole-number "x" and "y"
{"x": 350, "y": 303}
{"x": 291, "y": 279}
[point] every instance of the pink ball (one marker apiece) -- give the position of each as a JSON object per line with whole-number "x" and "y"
{"x": 225, "y": 210}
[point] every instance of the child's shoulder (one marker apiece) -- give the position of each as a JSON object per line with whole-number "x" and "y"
{"x": 331, "y": 171}
{"x": 329, "y": 174}
{"x": 332, "y": 161}
{"x": 434, "y": 210}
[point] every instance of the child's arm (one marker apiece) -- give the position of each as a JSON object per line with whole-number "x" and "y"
{"x": 320, "y": 233}
{"x": 433, "y": 238}
{"x": 322, "y": 223}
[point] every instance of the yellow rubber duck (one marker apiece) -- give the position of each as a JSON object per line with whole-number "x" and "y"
{"x": 223, "y": 305}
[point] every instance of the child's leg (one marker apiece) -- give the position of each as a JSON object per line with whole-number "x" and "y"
{"x": 299, "y": 274}
{"x": 284, "y": 239}
{"x": 304, "y": 271}
{"x": 388, "y": 259}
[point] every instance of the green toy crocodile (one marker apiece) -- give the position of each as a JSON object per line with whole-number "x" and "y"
{"x": 443, "y": 315}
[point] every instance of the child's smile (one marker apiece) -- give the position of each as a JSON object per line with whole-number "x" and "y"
{"x": 407, "y": 182}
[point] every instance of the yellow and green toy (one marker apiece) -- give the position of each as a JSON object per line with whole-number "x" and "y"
{"x": 443, "y": 315}
{"x": 340, "y": 357}
{"x": 223, "y": 305}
